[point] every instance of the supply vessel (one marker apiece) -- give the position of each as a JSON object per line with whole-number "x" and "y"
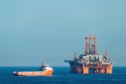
{"x": 46, "y": 70}
{"x": 91, "y": 61}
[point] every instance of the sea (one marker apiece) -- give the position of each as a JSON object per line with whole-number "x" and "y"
{"x": 61, "y": 75}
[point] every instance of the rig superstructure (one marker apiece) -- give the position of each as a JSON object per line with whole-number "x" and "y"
{"x": 91, "y": 61}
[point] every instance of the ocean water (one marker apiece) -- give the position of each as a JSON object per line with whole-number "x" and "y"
{"x": 62, "y": 76}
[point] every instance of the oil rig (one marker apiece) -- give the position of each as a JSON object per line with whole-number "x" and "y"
{"x": 91, "y": 61}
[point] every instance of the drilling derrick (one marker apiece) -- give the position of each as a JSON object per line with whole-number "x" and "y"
{"x": 90, "y": 45}
{"x": 90, "y": 61}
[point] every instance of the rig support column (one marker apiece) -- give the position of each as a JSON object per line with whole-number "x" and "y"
{"x": 85, "y": 69}
{"x": 109, "y": 69}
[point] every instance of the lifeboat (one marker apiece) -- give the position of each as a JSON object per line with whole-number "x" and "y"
{"x": 46, "y": 70}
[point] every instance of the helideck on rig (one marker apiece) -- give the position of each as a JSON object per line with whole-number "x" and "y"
{"x": 91, "y": 61}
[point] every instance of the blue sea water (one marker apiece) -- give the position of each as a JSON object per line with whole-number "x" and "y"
{"x": 62, "y": 76}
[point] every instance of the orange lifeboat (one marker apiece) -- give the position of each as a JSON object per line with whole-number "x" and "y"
{"x": 46, "y": 71}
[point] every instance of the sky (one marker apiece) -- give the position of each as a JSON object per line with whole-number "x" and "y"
{"x": 32, "y": 31}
